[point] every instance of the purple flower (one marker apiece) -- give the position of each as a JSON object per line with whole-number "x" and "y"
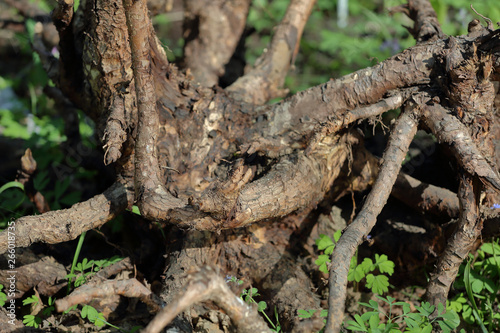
{"x": 495, "y": 206}
{"x": 55, "y": 52}
{"x": 392, "y": 45}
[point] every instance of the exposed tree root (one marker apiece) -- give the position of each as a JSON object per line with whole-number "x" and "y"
{"x": 208, "y": 159}
{"x": 66, "y": 224}
{"x": 266, "y": 78}
{"x": 207, "y": 24}
{"x": 460, "y": 243}
{"x": 448, "y": 129}
{"x": 401, "y": 137}
{"x": 32, "y": 271}
{"x": 204, "y": 284}
{"x": 106, "y": 289}
{"x": 248, "y": 254}
{"x": 425, "y": 198}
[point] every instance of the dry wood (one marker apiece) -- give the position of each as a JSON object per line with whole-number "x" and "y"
{"x": 401, "y": 137}
{"x": 207, "y": 25}
{"x": 106, "y": 289}
{"x": 460, "y": 244}
{"x": 210, "y": 160}
{"x": 204, "y": 284}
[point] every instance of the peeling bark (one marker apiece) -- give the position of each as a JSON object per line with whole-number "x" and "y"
{"x": 209, "y": 160}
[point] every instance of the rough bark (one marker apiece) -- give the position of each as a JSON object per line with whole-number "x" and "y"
{"x": 404, "y": 130}
{"x": 212, "y": 30}
{"x": 237, "y": 181}
{"x": 460, "y": 244}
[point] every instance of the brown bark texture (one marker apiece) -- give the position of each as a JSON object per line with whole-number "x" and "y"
{"x": 237, "y": 182}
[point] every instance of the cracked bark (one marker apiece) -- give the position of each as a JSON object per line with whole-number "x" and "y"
{"x": 207, "y": 159}
{"x": 401, "y": 137}
{"x": 460, "y": 243}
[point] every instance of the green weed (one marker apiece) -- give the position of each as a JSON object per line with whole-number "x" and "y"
{"x": 248, "y": 295}
{"x": 35, "y": 320}
{"x": 479, "y": 286}
{"x": 377, "y": 283}
{"x": 3, "y": 296}
{"x": 414, "y": 322}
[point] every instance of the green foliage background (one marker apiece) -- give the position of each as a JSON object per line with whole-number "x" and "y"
{"x": 326, "y": 52}
{"x": 372, "y": 35}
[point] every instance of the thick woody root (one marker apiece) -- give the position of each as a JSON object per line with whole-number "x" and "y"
{"x": 130, "y": 288}
{"x": 361, "y": 88}
{"x": 448, "y": 129}
{"x": 265, "y": 80}
{"x": 44, "y": 274}
{"x": 66, "y": 224}
{"x": 350, "y": 117}
{"x": 426, "y": 25}
{"x": 295, "y": 182}
{"x": 460, "y": 243}
{"x": 401, "y": 137}
{"x": 425, "y": 198}
{"x": 205, "y": 284}
{"x": 260, "y": 255}
{"x": 206, "y": 24}
{"x": 421, "y": 196}
{"x": 107, "y": 62}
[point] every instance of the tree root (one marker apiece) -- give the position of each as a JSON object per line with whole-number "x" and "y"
{"x": 105, "y": 289}
{"x": 204, "y": 284}
{"x": 460, "y": 243}
{"x": 66, "y": 224}
{"x": 401, "y": 137}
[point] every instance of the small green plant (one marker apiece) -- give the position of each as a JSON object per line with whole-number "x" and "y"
{"x": 326, "y": 244}
{"x": 3, "y": 296}
{"x": 248, "y": 296}
{"x": 414, "y": 322}
{"x": 305, "y": 314}
{"x": 50, "y": 308}
{"x": 309, "y": 313}
{"x": 32, "y": 320}
{"x": 478, "y": 281}
{"x": 31, "y": 300}
{"x": 377, "y": 283}
{"x": 87, "y": 268}
{"x": 96, "y": 318}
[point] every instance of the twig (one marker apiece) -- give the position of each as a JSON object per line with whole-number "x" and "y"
{"x": 490, "y": 23}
